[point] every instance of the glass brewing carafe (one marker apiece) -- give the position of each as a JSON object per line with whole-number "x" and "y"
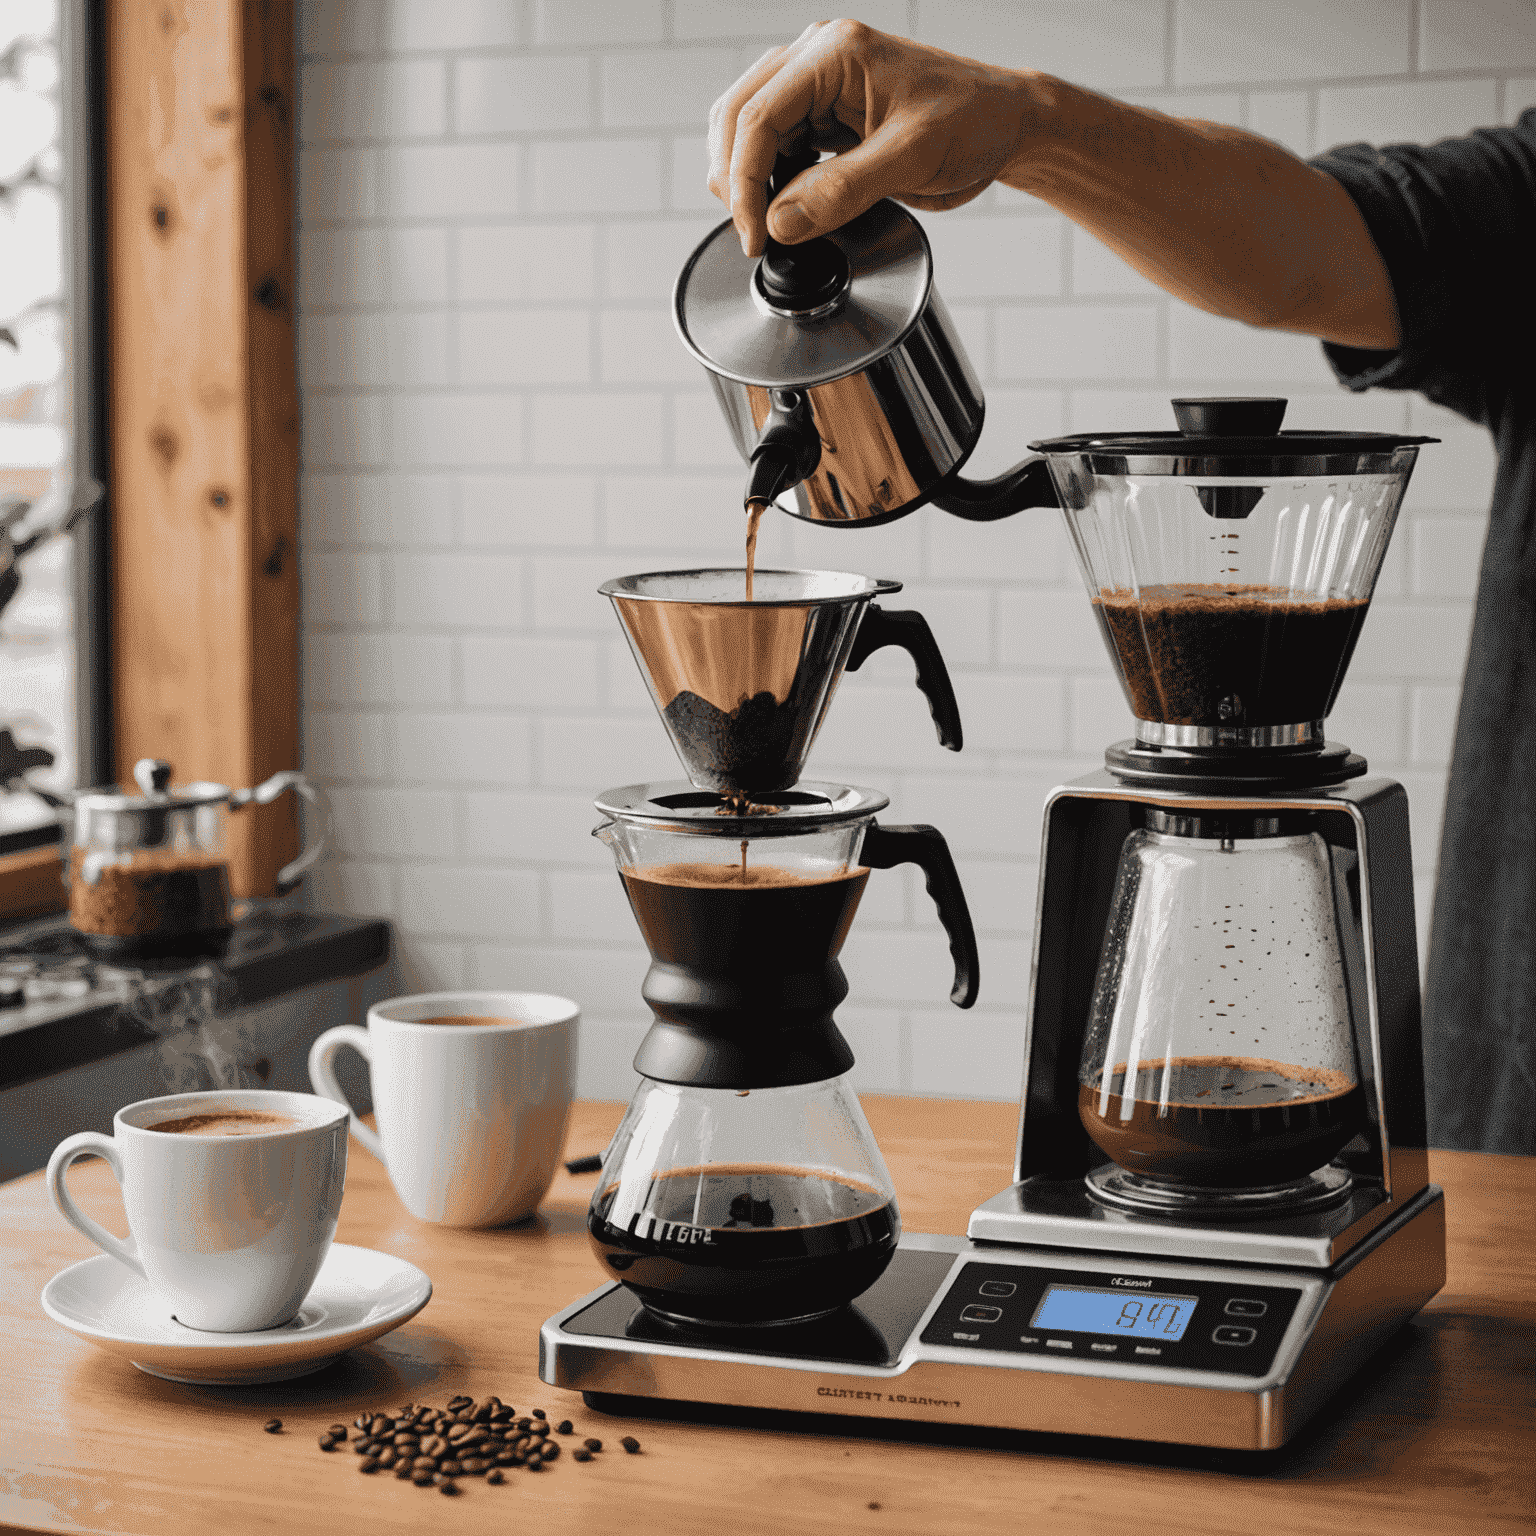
{"x": 1219, "y": 1065}
{"x": 766, "y": 1205}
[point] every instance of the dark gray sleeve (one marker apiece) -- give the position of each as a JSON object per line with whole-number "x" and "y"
{"x": 1455, "y": 223}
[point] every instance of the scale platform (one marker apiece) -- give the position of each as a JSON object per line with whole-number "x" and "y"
{"x": 965, "y": 1333}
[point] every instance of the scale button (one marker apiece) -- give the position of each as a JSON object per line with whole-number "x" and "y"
{"x": 1058, "y": 1343}
{"x": 1242, "y": 1306}
{"x": 998, "y": 1288}
{"x": 1105, "y": 1349}
{"x": 1235, "y": 1335}
{"x": 1148, "y": 1349}
{"x": 968, "y": 1338}
{"x": 975, "y": 1314}
{"x": 1028, "y": 1338}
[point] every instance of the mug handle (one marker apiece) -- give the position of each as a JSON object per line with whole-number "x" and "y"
{"x": 322, "y": 1076}
{"x": 58, "y": 1165}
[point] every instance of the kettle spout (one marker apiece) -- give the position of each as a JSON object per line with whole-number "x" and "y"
{"x": 788, "y": 449}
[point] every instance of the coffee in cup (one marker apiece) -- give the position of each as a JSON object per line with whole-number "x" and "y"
{"x": 224, "y": 1122}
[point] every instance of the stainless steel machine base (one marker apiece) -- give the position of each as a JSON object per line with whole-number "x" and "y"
{"x": 1271, "y": 1345}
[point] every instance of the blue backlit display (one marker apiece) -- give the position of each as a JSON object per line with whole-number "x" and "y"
{"x": 1133, "y": 1315}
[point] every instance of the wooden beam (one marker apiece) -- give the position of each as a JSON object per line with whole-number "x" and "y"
{"x": 204, "y": 401}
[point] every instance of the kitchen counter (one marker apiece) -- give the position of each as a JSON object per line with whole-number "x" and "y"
{"x": 1437, "y": 1436}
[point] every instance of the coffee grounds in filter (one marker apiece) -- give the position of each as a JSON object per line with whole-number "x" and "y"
{"x": 746, "y": 749}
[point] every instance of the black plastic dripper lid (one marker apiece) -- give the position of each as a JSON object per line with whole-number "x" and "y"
{"x": 1230, "y": 416}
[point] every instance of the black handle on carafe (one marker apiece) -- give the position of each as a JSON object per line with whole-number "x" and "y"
{"x": 1027, "y": 484}
{"x": 907, "y": 628}
{"x": 886, "y": 847}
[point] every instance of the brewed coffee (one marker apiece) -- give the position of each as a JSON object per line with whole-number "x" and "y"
{"x": 226, "y": 1122}
{"x": 746, "y": 1245}
{"x": 469, "y": 1019}
{"x": 1235, "y": 656}
{"x": 1223, "y": 1122}
{"x": 715, "y": 917}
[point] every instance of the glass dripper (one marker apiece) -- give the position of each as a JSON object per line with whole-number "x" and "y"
{"x": 1218, "y": 1069}
{"x": 1231, "y": 565}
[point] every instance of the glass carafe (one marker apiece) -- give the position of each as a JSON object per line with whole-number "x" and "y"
{"x": 1219, "y": 1065}
{"x": 767, "y": 1205}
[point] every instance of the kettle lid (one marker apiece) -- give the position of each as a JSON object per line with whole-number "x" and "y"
{"x": 804, "y": 314}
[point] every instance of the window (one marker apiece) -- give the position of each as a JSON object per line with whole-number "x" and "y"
{"x": 53, "y": 733}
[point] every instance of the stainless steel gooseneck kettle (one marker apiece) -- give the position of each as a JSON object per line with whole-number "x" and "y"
{"x": 841, "y": 373}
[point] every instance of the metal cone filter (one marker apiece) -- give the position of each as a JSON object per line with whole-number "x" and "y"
{"x": 741, "y": 687}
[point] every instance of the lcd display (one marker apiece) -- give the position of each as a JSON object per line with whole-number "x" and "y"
{"x": 1077, "y": 1309}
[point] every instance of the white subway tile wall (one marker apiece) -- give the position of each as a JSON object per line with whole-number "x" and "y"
{"x": 496, "y": 197}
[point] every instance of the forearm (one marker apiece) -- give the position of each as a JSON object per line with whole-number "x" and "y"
{"x": 1219, "y": 217}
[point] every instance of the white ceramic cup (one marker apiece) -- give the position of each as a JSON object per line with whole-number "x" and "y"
{"x": 229, "y": 1230}
{"x": 471, "y": 1116}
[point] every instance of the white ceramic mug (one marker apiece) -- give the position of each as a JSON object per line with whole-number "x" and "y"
{"x": 229, "y": 1230}
{"x": 471, "y": 1116}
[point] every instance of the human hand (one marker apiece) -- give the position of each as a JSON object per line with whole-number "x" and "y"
{"x": 926, "y": 127}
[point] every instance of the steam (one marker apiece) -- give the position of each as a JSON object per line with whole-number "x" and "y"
{"x": 200, "y": 1046}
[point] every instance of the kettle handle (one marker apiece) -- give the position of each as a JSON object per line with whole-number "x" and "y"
{"x": 886, "y": 847}
{"x": 266, "y": 792}
{"x": 907, "y": 628}
{"x": 1027, "y": 484}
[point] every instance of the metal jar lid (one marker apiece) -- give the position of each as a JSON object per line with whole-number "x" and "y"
{"x": 141, "y": 820}
{"x": 736, "y": 316}
{"x": 676, "y": 806}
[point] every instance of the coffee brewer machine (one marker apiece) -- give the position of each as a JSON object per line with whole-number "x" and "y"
{"x": 1220, "y": 1203}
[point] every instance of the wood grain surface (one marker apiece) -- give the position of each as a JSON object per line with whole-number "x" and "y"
{"x": 204, "y": 402}
{"x": 1438, "y": 1436}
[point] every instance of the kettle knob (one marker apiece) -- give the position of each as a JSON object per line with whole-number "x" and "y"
{"x": 787, "y": 167}
{"x": 152, "y": 775}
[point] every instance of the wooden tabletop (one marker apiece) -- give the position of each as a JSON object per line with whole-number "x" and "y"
{"x": 1438, "y": 1436}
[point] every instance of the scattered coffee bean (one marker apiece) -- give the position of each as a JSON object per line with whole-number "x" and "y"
{"x": 551, "y": 1450}
{"x": 539, "y": 1413}
{"x": 563, "y": 1427}
{"x": 593, "y": 1445}
{"x": 873, "y": 1505}
{"x": 535, "y": 1464}
{"x": 450, "y": 1468}
{"x": 337, "y": 1431}
{"x": 441, "y": 1478}
{"x": 457, "y": 1432}
{"x": 630, "y": 1444}
{"x": 456, "y": 1403}
{"x": 474, "y": 1465}
{"x": 433, "y": 1445}
{"x": 387, "y": 1459}
{"x": 425, "y": 1464}
{"x": 273, "y": 1426}
{"x": 422, "y": 1479}
{"x": 327, "y": 1442}
{"x": 381, "y": 1426}
{"x": 405, "y": 1471}
{"x": 368, "y": 1464}
{"x": 450, "y": 1488}
{"x": 539, "y": 1428}
{"x": 405, "y": 1437}
{"x": 494, "y": 1476}
{"x": 581, "y": 1455}
{"x": 482, "y": 1414}
{"x": 506, "y": 1459}
{"x": 362, "y": 1447}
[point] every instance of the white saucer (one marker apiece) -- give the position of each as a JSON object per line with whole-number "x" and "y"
{"x": 358, "y": 1295}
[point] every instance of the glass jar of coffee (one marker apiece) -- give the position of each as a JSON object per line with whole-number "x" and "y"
{"x": 149, "y": 873}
